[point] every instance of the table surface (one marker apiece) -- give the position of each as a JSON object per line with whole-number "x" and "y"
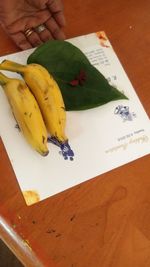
{"x": 104, "y": 222}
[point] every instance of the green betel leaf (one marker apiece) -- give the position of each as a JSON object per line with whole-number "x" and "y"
{"x": 81, "y": 84}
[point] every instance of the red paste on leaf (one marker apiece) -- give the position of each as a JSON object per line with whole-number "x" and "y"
{"x": 79, "y": 79}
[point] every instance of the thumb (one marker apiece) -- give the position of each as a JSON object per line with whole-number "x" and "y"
{"x": 39, "y": 4}
{"x": 56, "y": 9}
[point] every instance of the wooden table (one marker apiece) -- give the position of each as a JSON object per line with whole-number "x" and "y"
{"x": 104, "y": 222}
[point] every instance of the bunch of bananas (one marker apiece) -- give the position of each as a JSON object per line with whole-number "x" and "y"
{"x": 37, "y": 104}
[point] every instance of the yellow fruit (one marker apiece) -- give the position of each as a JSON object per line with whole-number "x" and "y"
{"x": 26, "y": 112}
{"x": 46, "y": 92}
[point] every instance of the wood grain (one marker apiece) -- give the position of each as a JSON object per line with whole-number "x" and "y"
{"x": 104, "y": 222}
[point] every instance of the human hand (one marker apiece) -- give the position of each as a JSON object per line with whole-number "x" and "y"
{"x": 18, "y": 16}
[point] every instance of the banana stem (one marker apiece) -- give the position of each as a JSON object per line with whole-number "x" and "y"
{"x": 12, "y": 66}
{"x": 3, "y": 79}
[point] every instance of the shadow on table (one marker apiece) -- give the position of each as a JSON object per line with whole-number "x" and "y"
{"x": 7, "y": 258}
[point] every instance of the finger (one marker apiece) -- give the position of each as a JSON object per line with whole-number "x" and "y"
{"x": 55, "y": 30}
{"x": 34, "y": 39}
{"x": 55, "y": 5}
{"x": 44, "y": 35}
{"x": 29, "y": 22}
{"x": 56, "y": 8}
{"x": 20, "y": 40}
{"x": 60, "y": 18}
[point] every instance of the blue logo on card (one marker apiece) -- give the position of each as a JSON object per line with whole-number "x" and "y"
{"x": 65, "y": 149}
{"x": 124, "y": 113}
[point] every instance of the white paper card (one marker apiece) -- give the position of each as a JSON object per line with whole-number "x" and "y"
{"x": 102, "y": 138}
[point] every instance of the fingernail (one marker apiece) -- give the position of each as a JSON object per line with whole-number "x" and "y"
{"x": 24, "y": 47}
{"x": 38, "y": 43}
{"x": 62, "y": 36}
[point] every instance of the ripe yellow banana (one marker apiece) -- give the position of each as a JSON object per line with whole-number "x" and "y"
{"x": 26, "y": 112}
{"x": 46, "y": 92}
